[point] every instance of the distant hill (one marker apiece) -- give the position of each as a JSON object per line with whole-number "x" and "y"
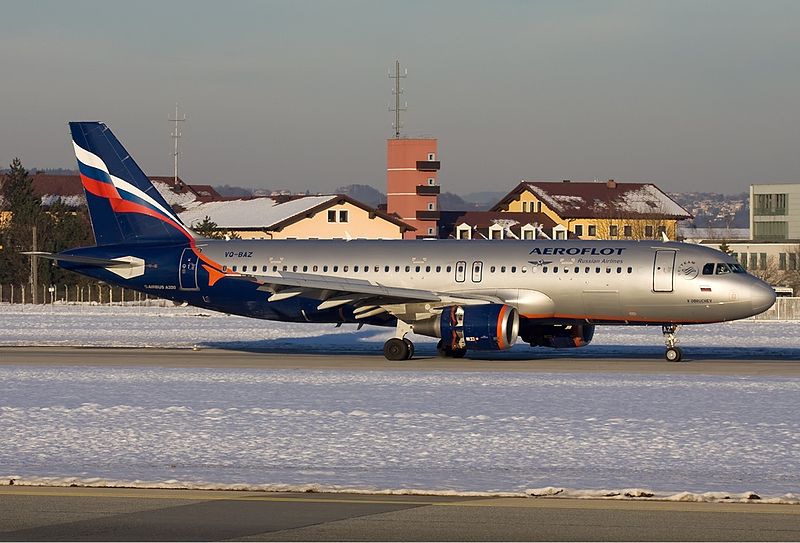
{"x": 712, "y": 209}
{"x": 363, "y": 193}
{"x": 229, "y": 190}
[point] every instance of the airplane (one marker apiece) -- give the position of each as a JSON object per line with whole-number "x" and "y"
{"x": 472, "y": 295}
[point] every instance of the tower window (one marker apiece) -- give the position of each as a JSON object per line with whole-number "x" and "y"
{"x": 431, "y": 181}
{"x": 431, "y": 156}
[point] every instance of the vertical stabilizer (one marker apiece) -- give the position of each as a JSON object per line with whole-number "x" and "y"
{"x": 124, "y": 205}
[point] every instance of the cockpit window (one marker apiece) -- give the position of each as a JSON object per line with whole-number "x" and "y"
{"x": 737, "y": 268}
{"x": 721, "y": 268}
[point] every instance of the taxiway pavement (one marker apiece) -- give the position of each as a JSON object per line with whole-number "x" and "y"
{"x": 221, "y": 358}
{"x": 114, "y": 514}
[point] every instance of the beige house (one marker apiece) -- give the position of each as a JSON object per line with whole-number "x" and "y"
{"x": 298, "y": 217}
{"x": 592, "y": 210}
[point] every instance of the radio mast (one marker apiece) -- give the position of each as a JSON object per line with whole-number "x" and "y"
{"x": 397, "y": 91}
{"x": 176, "y": 135}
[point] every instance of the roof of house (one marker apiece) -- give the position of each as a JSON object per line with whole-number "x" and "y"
{"x": 483, "y": 220}
{"x": 576, "y": 200}
{"x": 274, "y": 213}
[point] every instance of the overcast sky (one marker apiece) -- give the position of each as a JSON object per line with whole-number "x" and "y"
{"x": 695, "y": 95}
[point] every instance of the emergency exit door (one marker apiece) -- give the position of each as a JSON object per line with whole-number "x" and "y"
{"x": 187, "y": 274}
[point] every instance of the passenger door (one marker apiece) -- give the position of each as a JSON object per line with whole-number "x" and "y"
{"x": 187, "y": 274}
{"x": 662, "y": 271}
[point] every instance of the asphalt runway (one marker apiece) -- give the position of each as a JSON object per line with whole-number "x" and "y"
{"x": 221, "y": 358}
{"x": 105, "y": 514}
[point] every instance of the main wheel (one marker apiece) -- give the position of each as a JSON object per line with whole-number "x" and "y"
{"x": 410, "y": 346}
{"x": 673, "y": 354}
{"x": 396, "y": 349}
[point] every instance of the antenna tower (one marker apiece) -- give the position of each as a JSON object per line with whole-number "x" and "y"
{"x": 176, "y": 135}
{"x": 397, "y": 91}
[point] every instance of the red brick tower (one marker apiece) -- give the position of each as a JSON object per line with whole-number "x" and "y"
{"x": 412, "y": 189}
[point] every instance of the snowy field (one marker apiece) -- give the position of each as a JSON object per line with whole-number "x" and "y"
{"x": 680, "y": 437}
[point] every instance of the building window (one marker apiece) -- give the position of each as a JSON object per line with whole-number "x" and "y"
{"x": 592, "y": 230}
{"x": 431, "y": 157}
{"x": 527, "y": 233}
{"x": 578, "y": 230}
{"x": 627, "y": 231}
{"x": 770, "y": 230}
{"x": 613, "y": 230}
{"x": 648, "y": 231}
{"x": 430, "y": 231}
{"x": 770, "y": 204}
{"x": 495, "y": 233}
{"x": 762, "y": 261}
{"x": 343, "y": 215}
{"x": 431, "y": 181}
{"x": 431, "y": 206}
{"x": 782, "y": 261}
{"x": 792, "y": 261}
{"x": 331, "y": 215}
{"x": 464, "y": 232}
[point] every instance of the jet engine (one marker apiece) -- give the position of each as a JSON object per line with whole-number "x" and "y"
{"x": 557, "y": 336}
{"x": 487, "y": 327}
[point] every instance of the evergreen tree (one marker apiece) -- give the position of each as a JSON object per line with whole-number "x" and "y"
{"x": 25, "y": 213}
{"x": 209, "y": 229}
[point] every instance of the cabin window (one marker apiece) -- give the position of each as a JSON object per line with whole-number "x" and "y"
{"x": 325, "y": 268}
{"x": 345, "y": 268}
{"x": 577, "y": 269}
{"x": 397, "y": 269}
{"x": 305, "y": 268}
{"x": 586, "y": 269}
{"x": 630, "y": 270}
{"x": 544, "y": 269}
{"x": 244, "y": 268}
{"x": 263, "y": 268}
{"x": 315, "y": 268}
{"x": 524, "y": 269}
{"x": 274, "y": 268}
{"x": 234, "y": 268}
{"x": 224, "y": 268}
{"x": 336, "y": 269}
{"x": 355, "y": 269}
{"x": 619, "y": 270}
{"x": 491, "y": 270}
{"x": 597, "y": 270}
{"x": 408, "y": 269}
{"x": 513, "y": 269}
{"x": 378, "y": 268}
{"x": 416, "y": 269}
{"x": 555, "y": 269}
{"x": 708, "y": 269}
{"x": 286, "y": 268}
{"x": 427, "y": 269}
{"x": 386, "y": 269}
{"x": 566, "y": 269}
{"x": 608, "y": 270}
{"x": 438, "y": 269}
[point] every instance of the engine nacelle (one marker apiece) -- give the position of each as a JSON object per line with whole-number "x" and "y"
{"x": 557, "y": 336}
{"x": 489, "y": 327}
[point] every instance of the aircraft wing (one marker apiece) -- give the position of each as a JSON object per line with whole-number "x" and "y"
{"x": 372, "y": 296}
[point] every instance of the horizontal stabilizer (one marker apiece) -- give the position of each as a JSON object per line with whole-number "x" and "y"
{"x": 88, "y": 260}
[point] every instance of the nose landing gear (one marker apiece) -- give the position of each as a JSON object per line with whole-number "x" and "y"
{"x": 673, "y": 352}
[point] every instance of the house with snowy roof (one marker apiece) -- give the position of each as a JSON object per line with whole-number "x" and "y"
{"x": 497, "y": 225}
{"x": 597, "y": 210}
{"x": 333, "y": 216}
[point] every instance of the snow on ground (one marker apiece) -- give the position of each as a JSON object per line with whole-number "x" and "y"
{"x": 680, "y": 437}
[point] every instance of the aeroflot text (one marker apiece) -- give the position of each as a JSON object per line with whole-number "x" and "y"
{"x": 605, "y": 251}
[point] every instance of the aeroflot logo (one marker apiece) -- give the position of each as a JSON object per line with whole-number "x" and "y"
{"x": 594, "y": 251}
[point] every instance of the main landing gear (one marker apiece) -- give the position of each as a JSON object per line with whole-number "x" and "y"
{"x": 399, "y": 348}
{"x": 673, "y": 352}
{"x": 447, "y": 351}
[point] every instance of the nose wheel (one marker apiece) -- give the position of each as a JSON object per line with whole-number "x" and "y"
{"x": 673, "y": 352}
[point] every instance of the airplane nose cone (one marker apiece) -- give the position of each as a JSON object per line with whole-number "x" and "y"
{"x": 762, "y": 296}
